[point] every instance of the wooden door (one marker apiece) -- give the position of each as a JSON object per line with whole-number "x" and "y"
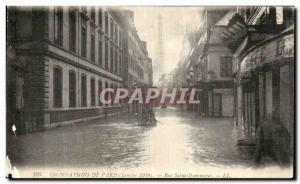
{"x": 217, "y": 105}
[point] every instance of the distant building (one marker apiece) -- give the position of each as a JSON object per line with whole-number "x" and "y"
{"x": 209, "y": 67}
{"x": 159, "y": 59}
{"x": 218, "y": 83}
{"x": 149, "y": 72}
{"x": 136, "y": 71}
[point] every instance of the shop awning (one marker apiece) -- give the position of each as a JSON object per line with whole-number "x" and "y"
{"x": 235, "y": 31}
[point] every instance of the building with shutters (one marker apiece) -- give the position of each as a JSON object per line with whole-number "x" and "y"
{"x": 137, "y": 71}
{"x": 68, "y": 55}
{"x": 209, "y": 66}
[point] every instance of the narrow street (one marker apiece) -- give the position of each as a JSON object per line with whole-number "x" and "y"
{"x": 83, "y": 83}
{"x": 180, "y": 140}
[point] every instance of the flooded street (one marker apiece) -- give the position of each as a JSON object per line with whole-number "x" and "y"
{"x": 180, "y": 140}
{"x": 184, "y": 139}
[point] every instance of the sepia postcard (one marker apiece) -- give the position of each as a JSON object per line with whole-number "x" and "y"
{"x": 150, "y": 92}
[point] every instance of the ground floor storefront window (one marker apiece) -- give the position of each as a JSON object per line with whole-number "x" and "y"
{"x": 266, "y": 93}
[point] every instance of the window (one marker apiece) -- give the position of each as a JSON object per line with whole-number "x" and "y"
{"x": 100, "y": 48}
{"x": 120, "y": 38}
{"x": 268, "y": 16}
{"x": 72, "y": 89}
{"x": 12, "y": 24}
{"x": 106, "y": 54}
{"x": 58, "y": 25}
{"x": 119, "y": 41}
{"x": 111, "y": 96}
{"x": 83, "y": 90}
{"x": 93, "y": 17}
{"x": 115, "y": 34}
{"x": 37, "y": 16}
{"x": 140, "y": 71}
{"x": 111, "y": 57}
{"x": 106, "y": 23}
{"x": 72, "y": 29}
{"x": 120, "y": 65}
{"x": 83, "y": 37}
{"x": 106, "y": 94}
{"x": 99, "y": 91}
{"x": 93, "y": 44}
{"x": 116, "y": 61}
{"x": 100, "y": 18}
{"x": 111, "y": 29}
{"x": 226, "y": 66}
{"x": 57, "y": 87}
{"x": 129, "y": 62}
{"x": 93, "y": 92}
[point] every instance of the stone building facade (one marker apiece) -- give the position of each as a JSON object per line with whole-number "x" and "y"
{"x": 70, "y": 54}
{"x": 137, "y": 65}
{"x": 209, "y": 66}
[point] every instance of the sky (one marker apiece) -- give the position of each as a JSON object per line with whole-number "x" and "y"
{"x": 176, "y": 20}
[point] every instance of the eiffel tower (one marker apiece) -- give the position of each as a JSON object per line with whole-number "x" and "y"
{"x": 160, "y": 47}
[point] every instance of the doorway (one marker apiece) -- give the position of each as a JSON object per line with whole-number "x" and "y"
{"x": 217, "y": 105}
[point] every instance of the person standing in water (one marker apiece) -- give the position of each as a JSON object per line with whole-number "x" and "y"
{"x": 273, "y": 140}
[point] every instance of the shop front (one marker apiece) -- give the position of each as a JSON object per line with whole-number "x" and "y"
{"x": 266, "y": 83}
{"x": 216, "y": 99}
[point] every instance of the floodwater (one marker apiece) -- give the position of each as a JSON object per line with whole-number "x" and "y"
{"x": 179, "y": 140}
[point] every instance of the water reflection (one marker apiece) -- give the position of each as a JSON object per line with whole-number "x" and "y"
{"x": 180, "y": 140}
